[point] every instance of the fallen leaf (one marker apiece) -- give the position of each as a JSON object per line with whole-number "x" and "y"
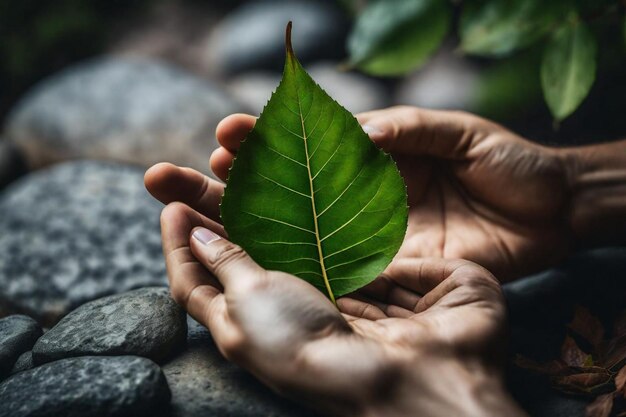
{"x": 613, "y": 354}
{"x": 587, "y": 326}
{"x": 551, "y": 368}
{"x": 588, "y": 383}
{"x": 572, "y": 355}
{"x": 620, "y": 381}
{"x": 601, "y": 407}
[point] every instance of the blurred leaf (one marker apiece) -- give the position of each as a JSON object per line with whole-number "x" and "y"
{"x": 601, "y": 407}
{"x": 594, "y": 382}
{"x": 393, "y": 37}
{"x": 620, "y": 381}
{"x": 587, "y": 326}
{"x": 552, "y": 368}
{"x": 572, "y": 355}
{"x": 568, "y": 69}
{"x": 509, "y": 87}
{"x": 497, "y": 28}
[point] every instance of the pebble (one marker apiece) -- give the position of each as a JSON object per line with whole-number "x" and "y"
{"x": 86, "y": 387}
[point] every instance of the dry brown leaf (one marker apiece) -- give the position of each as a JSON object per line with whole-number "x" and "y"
{"x": 601, "y": 407}
{"x": 551, "y": 368}
{"x": 589, "y": 383}
{"x": 572, "y": 355}
{"x": 613, "y": 355}
{"x": 588, "y": 326}
{"x": 620, "y": 381}
{"x": 619, "y": 327}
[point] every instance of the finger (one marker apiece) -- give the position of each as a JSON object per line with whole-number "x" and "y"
{"x": 421, "y": 275}
{"x": 385, "y": 290}
{"x": 359, "y": 308}
{"x": 233, "y": 129}
{"x": 405, "y": 129}
{"x": 169, "y": 183}
{"x": 192, "y": 286}
{"x": 221, "y": 160}
{"x": 228, "y": 262}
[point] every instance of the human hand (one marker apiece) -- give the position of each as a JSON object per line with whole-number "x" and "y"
{"x": 476, "y": 190}
{"x": 423, "y": 337}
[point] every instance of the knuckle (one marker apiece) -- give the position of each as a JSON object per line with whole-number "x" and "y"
{"x": 229, "y": 254}
{"x": 234, "y": 347}
{"x": 179, "y": 294}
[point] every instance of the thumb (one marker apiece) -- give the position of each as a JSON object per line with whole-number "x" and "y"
{"x": 228, "y": 262}
{"x": 414, "y": 131}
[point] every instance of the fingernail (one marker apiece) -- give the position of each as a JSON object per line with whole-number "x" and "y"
{"x": 205, "y": 236}
{"x": 371, "y": 130}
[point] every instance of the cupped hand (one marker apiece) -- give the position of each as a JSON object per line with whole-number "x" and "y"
{"x": 409, "y": 341}
{"x": 476, "y": 190}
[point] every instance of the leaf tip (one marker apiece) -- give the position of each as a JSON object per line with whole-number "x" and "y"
{"x": 288, "y": 46}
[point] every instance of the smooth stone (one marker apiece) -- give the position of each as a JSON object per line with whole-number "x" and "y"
{"x": 87, "y": 386}
{"x": 254, "y": 89}
{"x": 145, "y": 322}
{"x": 126, "y": 109}
{"x": 447, "y": 81}
{"x": 355, "y": 92}
{"x": 203, "y": 384}
{"x": 12, "y": 163}
{"x": 252, "y": 37}
{"x": 23, "y": 363}
{"x": 76, "y": 232}
{"x": 18, "y": 334}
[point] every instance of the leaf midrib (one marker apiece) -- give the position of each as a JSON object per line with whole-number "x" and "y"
{"x": 315, "y": 223}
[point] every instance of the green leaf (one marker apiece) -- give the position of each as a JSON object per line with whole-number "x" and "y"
{"x": 310, "y": 194}
{"x": 497, "y": 28}
{"x": 568, "y": 69}
{"x": 393, "y": 37}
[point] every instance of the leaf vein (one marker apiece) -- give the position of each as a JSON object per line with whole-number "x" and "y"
{"x": 279, "y": 221}
{"x": 282, "y": 185}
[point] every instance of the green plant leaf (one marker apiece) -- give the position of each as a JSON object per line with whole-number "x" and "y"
{"x": 497, "y": 28}
{"x": 310, "y": 194}
{"x": 568, "y": 69}
{"x": 393, "y": 37}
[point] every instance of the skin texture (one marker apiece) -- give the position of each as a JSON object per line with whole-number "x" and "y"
{"x": 476, "y": 190}
{"x": 430, "y": 325}
{"x": 427, "y": 325}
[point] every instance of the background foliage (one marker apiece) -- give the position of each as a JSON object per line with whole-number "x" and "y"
{"x": 393, "y": 37}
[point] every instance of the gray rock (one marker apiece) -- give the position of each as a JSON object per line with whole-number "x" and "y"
{"x": 254, "y": 89}
{"x": 87, "y": 386}
{"x": 203, "y": 383}
{"x": 74, "y": 233}
{"x": 446, "y": 82}
{"x": 145, "y": 322}
{"x": 23, "y": 363}
{"x": 12, "y": 163}
{"x": 355, "y": 92}
{"x": 127, "y": 109}
{"x": 253, "y": 36}
{"x": 17, "y": 335}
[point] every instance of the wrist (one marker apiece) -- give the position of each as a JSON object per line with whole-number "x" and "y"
{"x": 596, "y": 178}
{"x": 446, "y": 387}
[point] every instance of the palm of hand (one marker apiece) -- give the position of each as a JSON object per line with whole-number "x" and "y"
{"x": 388, "y": 323}
{"x": 499, "y": 208}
